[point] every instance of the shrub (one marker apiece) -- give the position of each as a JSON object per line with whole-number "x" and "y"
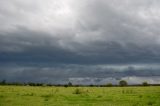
{"x": 150, "y": 103}
{"x": 77, "y": 91}
{"x": 109, "y": 85}
{"x": 66, "y": 85}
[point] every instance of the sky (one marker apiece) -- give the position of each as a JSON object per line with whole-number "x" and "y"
{"x": 80, "y": 41}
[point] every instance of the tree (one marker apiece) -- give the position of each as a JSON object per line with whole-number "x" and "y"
{"x": 3, "y": 82}
{"x": 145, "y": 83}
{"x": 69, "y": 84}
{"x": 123, "y": 83}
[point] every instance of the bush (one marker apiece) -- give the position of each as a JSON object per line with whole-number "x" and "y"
{"x": 109, "y": 85}
{"x": 66, "y": 85}
{"x": 77, "y": 91}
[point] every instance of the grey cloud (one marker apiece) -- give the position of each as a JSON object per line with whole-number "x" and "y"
{"x": 99, "y": 26}
{"x": 61, "y": 73}
{"x": 100, "y": 81}
{"x": 83, "y": 33}
{"x": 29, "y": 45}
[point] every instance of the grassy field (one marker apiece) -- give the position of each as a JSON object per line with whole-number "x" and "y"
{"x": 79, "y": 96}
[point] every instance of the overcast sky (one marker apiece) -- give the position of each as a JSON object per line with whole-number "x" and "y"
{"x": 82, "y": 41}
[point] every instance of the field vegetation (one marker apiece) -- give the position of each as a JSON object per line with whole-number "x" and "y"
{"x": 79, "y": 96}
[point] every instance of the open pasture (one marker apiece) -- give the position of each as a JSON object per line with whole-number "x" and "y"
{"x": 79, "y": 96}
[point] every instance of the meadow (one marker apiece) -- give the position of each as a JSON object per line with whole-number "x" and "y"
{"x": 79, "y": 96}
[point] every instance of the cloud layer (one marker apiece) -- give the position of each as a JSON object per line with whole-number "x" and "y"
{"x": 48, "y": 34}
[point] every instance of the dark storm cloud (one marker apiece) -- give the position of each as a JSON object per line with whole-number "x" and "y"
{"x": 79, "y": 74}
{"x": 83, "y": 33}
{"x": 26, "y": 45}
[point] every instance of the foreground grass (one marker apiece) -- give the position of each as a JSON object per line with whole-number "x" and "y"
{"x": 79, "y": 96}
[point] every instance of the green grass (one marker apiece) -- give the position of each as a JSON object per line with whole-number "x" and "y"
{"x": 79, "y": 96}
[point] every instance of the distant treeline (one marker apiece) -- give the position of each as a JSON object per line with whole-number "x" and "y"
{"x": 121, "y": 83}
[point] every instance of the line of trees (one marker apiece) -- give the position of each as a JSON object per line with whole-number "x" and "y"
{"x": 122, "y": 83}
